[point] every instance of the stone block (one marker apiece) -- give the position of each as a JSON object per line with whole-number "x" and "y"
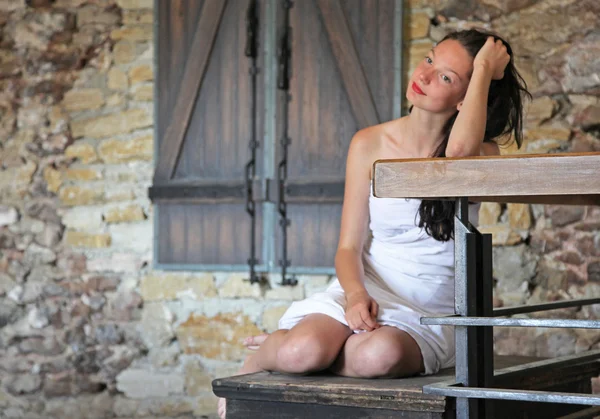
{"x": 136, "y": 237}
{"x": 540, "y": 109}
{"x": 218, "y": 337}
{"x": 23, "y": 384}
{"x": 141, "y": 73}
{"x": 165, "y": 407}
{"x": 86, "y": 153}
{"x": 117, "y": 262}
{"x": 119, "y": 151}
{"x": 562, "y": 215}
{"x": 83, "y": 99}
{"x": 117, "y": 194}
{"x": 38, "y": 255}
{"x": 135, "y": 4}
{"x": 111, "y": 125}
{"x": 131, "y": 17}
{"x": 92, "y": 14}
{"x": 143, "y": 93}
{"x": 237, "y": 286}
{"x": 206, "y": 405}
{"x": 82, "y": 173}
{"x": 78, "y": 195}
{"x": 117, "y": 79}
{"x": 519, "y": 216}
{"x": 80, "y": 239}
{"x": 115, "y": 100}
{"x": 156, "y": 325}
{"x": 417, "y": 25}
{"x": 489, "y": 212}
{"x": 124, "y": 52}
{"x": 53, "y": 179}
{"x": 291, "y": 293}
{"x": 197, "y": 379}
{"x": 133, "y": 33}
{"x": 130, "y": 213}
{"x": 172, "y": 286}
{"x": 124, "y": 407}
{"x": 271, "y": 316}
{"x": 140, "y": 384}
{"x": 513, "y": 266}
{"x": 8, "y": 215}
{"x": 82, "y": 218}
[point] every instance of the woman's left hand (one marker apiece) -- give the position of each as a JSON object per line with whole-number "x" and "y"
{"x": 494, "y": 57}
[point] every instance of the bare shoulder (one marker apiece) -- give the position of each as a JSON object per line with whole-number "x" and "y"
{"x": 365, "y": 145}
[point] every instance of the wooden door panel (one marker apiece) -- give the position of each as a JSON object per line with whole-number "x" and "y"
{"x": 312, "y": 235}
{"x": 216, "y": 143}
{"x": 204, "y": 128}
{"x": 177, "y": 20}
{"x": 342, "y": 81}
{"x": 205, "y": 234}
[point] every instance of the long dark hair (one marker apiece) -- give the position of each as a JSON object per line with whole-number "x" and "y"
{"x": 504, "y": 117}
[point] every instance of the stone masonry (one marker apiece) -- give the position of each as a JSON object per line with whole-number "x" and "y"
{"x": 89, "y": 330}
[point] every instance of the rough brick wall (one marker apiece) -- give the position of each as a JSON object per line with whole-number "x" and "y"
{"x": 88, "y": 329}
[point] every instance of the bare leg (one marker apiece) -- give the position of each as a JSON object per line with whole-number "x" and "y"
{"x": 385, "y": 352}
{"x": 311, "y": 345}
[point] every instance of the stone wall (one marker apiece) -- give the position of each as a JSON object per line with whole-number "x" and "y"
{"x": 89, "y": 329}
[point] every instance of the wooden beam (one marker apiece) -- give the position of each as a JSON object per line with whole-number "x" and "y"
{"x": 568, "y": 178}
{"x": 195, "y": 69}
{"x": 348, "y": 62}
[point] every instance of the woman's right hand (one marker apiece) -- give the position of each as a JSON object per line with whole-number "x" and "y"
{"x": 361, "y": 311}
{"x": 493, "y": 56}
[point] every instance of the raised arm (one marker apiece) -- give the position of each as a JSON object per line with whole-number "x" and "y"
{"x": 466, "y": 137}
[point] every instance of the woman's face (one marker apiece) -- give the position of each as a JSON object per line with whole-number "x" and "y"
{"x": 440, "y": 81}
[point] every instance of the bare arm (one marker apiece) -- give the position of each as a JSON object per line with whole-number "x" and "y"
{"x": 355, "y": 214}
{"x": 361, "y": 309}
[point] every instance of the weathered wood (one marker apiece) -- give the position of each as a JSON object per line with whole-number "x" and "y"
{"x": 348, "y": 63}
{"x": 569, "y": 178}
{"x": 326, "y": 396}
{"x": 170, "y": 146}
{"x": 284, "y": 410}
{"x": 321, "y": 117}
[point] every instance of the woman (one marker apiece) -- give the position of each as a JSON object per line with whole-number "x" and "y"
{"x": 395, "y": 257}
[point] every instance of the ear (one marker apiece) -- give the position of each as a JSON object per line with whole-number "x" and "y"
{"x": 459, "y": 105}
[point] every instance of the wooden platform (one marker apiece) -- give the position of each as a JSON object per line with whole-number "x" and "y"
{"x": 319, "y": 396}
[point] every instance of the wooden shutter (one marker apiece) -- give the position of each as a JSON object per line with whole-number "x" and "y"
{"x": 343, "y": 80}
{"x": 203, "y": 131}
{"x": 343, "y": 77}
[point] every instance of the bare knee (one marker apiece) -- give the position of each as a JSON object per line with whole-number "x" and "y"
{"x": 303, "y": 354}
{"x": 378, "y": 359}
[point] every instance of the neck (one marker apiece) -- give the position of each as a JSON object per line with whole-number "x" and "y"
{"x": 423, "y": 131}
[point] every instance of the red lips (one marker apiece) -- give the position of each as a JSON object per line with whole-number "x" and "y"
{"x": 417, "y": 89}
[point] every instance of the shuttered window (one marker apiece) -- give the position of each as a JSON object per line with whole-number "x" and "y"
{"x": 344, "y": 74}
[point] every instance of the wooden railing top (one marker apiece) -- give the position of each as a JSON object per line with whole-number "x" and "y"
{"x": 565, "y": 179}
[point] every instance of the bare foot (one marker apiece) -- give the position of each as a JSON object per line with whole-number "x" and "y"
{"x": 254, "y": 342}
{"x": 222, "y": 408}
{"x": 248, "y": 367}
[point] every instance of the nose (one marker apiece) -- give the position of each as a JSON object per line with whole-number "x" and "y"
{"x": 425, "y": 77}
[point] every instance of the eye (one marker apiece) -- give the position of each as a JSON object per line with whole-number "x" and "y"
{"x": 428, "y": 60}
{"x": 446, "y": 78}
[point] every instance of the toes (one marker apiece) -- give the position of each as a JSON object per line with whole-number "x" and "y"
{"x": 254, "y": 342}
